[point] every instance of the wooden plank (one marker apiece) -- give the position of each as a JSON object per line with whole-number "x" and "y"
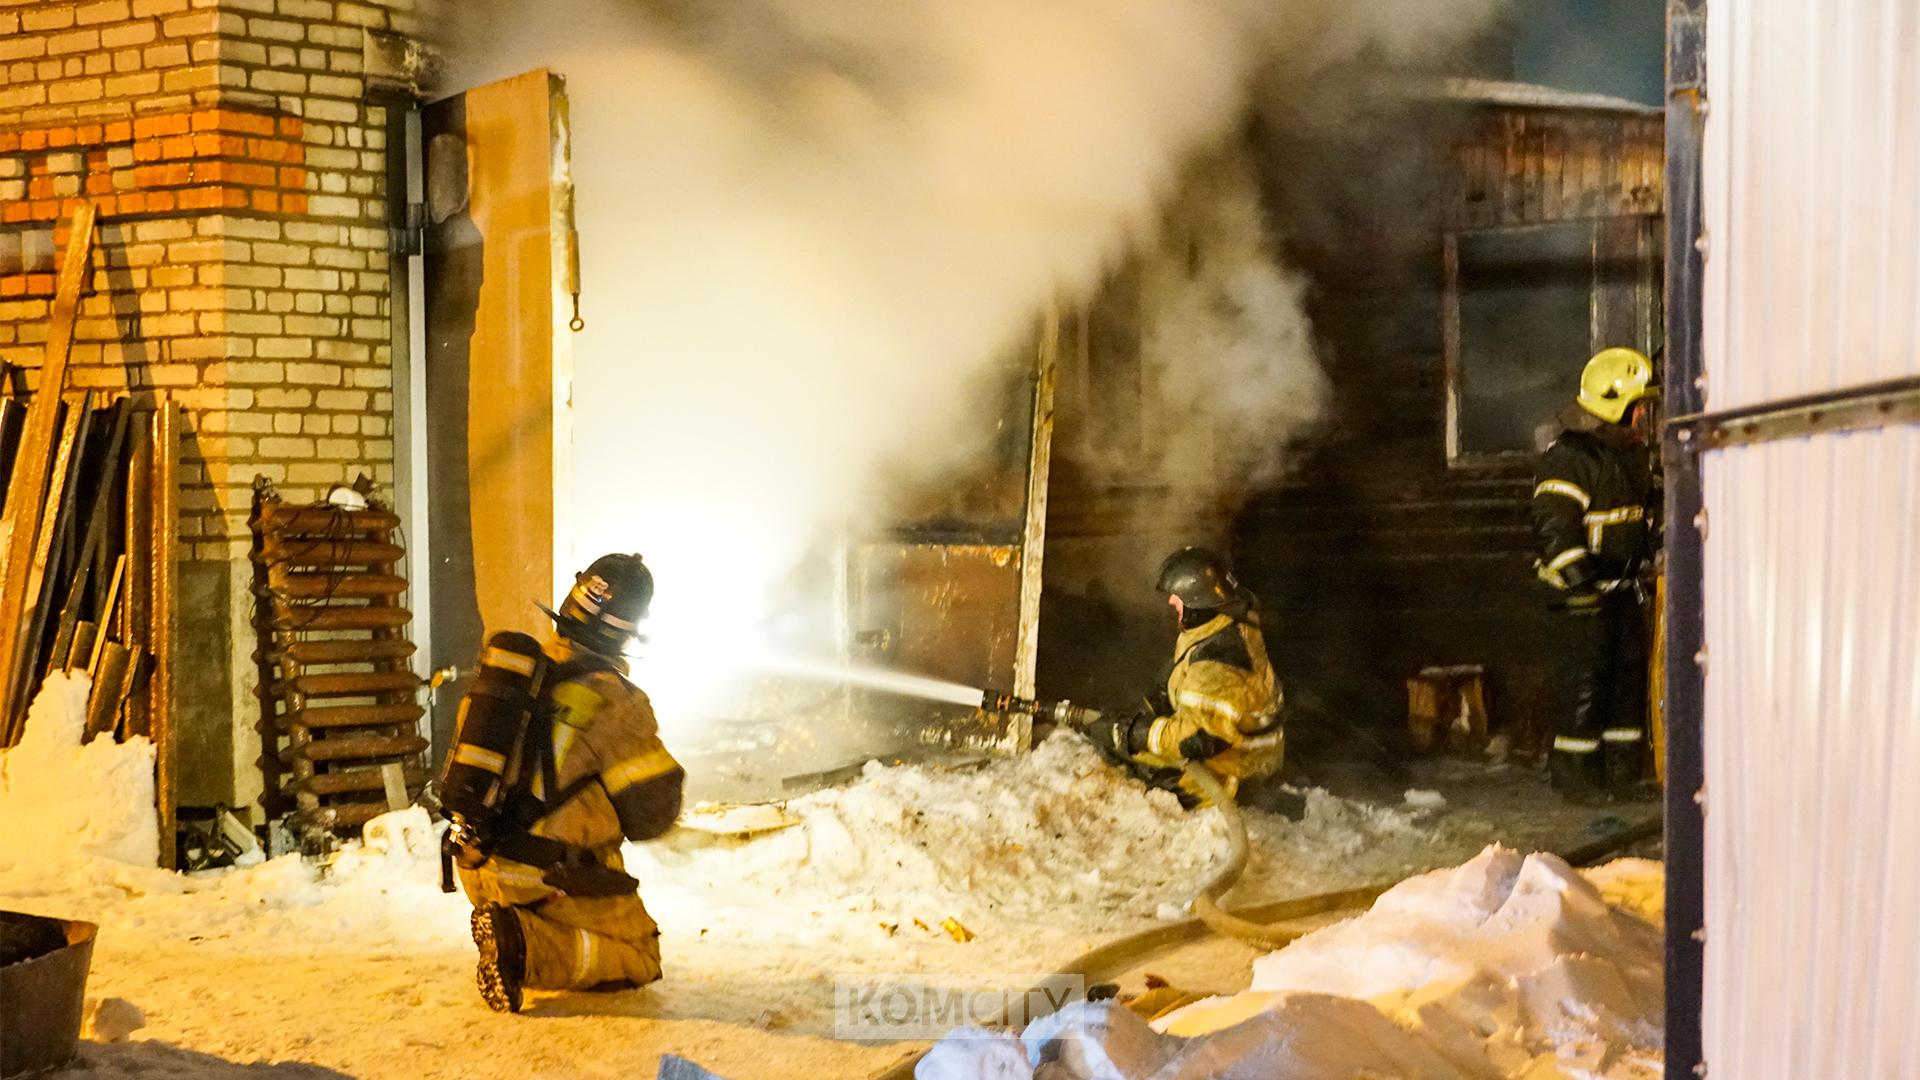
{"x": 309, "y": 821}
{"x": 23, "y": 647}
{"x": 329, "y": 522}
{"x": 357, "y": 586}
{"x": 137, "y": 605}
{"x": 93, "y": 544}
{"x": 349, "y": 684}
{"x": 129, "y": 689}
{"x": 349, "y": 651}
{"x": 342, "y": 618}
{"x": 518, "y": 361}
{"x": 26, "y": 489}
{"x": 394, "y": 778}
{"x": 338, "y": 716}
{"x": 280, "y": 551}
{"x": 349, "y": 781}
{"x": 355, "y": 748}
{"x": 166, "y": 531}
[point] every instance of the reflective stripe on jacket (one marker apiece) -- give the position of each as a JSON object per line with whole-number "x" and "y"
{"x": 1221, "y": 692}
{"x": 1590, "y": 506}
{"x": 604, "y": 727}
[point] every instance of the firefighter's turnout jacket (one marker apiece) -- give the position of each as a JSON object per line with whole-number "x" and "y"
{"x": 1592, "y": 501}
{"x": 606, "y": 748}
{"x": 1591, "y": 505}
{"x": 1221, "y": 706}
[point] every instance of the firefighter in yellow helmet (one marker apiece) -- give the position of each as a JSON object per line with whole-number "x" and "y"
{"x": 554, "y": 908}
{"x": 1219, "y": 704}
{"x": 1593, "y": 506}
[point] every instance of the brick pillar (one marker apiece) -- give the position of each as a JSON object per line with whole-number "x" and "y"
{"x": 242, "y": 270}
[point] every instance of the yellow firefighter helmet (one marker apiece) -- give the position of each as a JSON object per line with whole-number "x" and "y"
{"x": 1613, "y": 381}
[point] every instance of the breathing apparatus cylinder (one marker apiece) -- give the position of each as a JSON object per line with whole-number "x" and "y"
{"x": 487, "y": 743}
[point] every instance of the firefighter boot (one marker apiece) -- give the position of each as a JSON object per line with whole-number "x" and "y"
{"x": 1621, "y": 759}
{"x": 503, "y": 956}
{"x": 1576, "y": 776}
{"x": 1626, "y": 770}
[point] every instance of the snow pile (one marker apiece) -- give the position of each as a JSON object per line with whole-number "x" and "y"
{"x": 72, "y": 809}
{"x": 1018, "y": 838}
{"x": 1505, "y": 968}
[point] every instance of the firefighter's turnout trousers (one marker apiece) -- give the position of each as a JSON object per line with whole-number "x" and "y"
{"x": 1220, "y": 708}
{"x": 1601, "y": 668}
{"x": 573, "y": 943}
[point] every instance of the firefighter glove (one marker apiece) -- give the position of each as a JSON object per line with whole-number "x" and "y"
{"x": 1109, "y": 737}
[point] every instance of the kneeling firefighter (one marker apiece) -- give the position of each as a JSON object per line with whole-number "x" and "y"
{"x": 1219, "y": 703}
{"x": 556, "y": 760}
{"x": 1593, "y": 518}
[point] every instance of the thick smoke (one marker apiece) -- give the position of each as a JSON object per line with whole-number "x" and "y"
{"x": 807, "y": 224}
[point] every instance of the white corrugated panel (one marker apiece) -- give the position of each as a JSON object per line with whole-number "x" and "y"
{"x": 1813, "y": 758}
{"x": 1811, "y": 196}
{"x": 1811, "y": 187}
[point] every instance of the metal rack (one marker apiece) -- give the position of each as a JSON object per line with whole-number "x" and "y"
{"x": 340, "y": 720}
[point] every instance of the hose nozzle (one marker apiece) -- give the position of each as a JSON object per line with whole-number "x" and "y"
{"x": 1063, "y": 713}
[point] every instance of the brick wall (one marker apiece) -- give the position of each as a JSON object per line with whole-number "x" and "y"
{"x": 242, "y": 269}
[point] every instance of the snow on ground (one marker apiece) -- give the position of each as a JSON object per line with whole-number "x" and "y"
{"x": 364, "y": 968}
{"x": 1504, "y": 968}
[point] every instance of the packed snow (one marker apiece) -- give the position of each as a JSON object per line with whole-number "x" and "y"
{"x": 91, "y": 805}
{"x": 360, "y": 966}
{"x": 1056, "y": 831}
{"x": 1504, "y": 968}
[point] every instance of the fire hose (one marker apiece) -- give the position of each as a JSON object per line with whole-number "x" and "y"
{"x": 1206, "y": 905}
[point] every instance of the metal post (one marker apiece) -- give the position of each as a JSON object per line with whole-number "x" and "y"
{"x": 1685, "y": 522}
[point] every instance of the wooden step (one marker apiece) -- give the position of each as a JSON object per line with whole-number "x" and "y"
{"x": 348, "y": 684}
{"x": 349, "y": 780}
{"x": 337, "y": 815}
{"x": 334, "y": 551}
{"x": 343, "y": 586}
{"x": 355, "y": 748}
{"x": 347, "y": 651}
{"x": 339, "y": 618}
{"x": 344, "y": 716}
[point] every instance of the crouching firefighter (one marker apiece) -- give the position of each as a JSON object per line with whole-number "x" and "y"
{"x": 1592, "y": 519}
{"x": 1219, "y": 704}
{"x": 555, "y": 761}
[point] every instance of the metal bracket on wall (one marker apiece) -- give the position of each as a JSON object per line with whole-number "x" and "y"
{"x": 1857, "y": 408}
{"x": 409, "y": 237}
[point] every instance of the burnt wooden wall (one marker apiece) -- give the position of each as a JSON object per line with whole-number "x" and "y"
{"x": 1380, "y": 558}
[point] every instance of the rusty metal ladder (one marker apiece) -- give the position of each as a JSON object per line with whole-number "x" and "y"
{"x": 340, "y": 717}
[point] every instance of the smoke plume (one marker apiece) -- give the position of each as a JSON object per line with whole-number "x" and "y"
{"x": 807, "y": 224}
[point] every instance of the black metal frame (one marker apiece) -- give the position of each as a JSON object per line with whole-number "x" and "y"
{"x": 1685, "y": 612}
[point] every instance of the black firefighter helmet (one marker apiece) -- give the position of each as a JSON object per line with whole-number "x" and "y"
{"x": 1201, "y": 579}
{"x": 602, "y": 611}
